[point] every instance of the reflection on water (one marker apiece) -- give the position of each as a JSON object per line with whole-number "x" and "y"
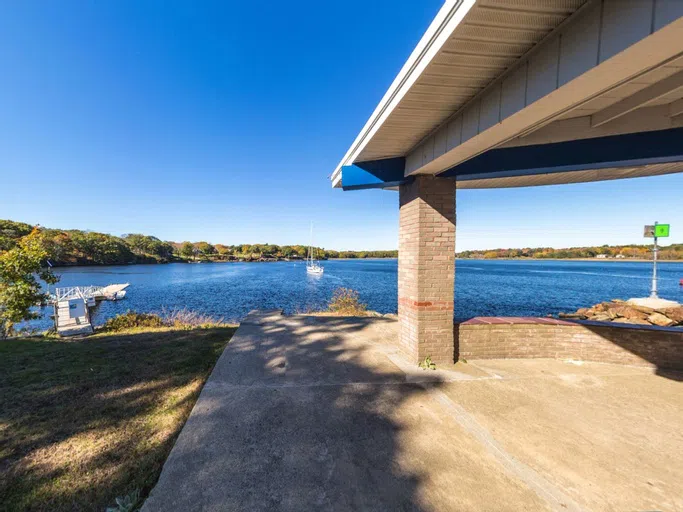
{"x": 231, "y": 290}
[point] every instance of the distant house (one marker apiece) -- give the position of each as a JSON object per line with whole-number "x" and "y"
{"x": 620, "y": 256}
{"x": 601, "y": 256}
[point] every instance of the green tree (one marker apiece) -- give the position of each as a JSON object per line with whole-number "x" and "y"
{"x": 20, "y": 271}
{"x": 187, "y": 250}
{"x": 223, "y": 250}
{"x": 11, "y": 232}
{"x": 205, "y": 248}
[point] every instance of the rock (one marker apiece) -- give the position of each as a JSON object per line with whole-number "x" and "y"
{"x": 675, "y": 314}
{"x": 642, "y": 309}
{"x": 628, "y": 312}
{"x": 660, "y": 320}
{"x": 574, "y": 316}
{"x": 631, "y": 321}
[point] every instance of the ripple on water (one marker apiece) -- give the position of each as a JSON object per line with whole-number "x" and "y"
{"x": 493, "y": 288}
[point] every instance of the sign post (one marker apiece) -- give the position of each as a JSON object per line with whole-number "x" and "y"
{"x": 655, "y": 231}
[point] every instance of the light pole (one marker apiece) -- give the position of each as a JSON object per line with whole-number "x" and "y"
{"x": 653, "y": 293}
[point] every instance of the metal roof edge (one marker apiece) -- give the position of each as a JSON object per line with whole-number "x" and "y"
{"x": 447, "y": 19}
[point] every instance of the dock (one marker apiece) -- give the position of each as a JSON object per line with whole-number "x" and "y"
{"x": 72, "y": 306}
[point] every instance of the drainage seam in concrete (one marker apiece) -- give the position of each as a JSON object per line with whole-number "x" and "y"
{"x": 557, "y": 499}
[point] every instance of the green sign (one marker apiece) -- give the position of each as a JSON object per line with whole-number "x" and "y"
{"x": 661, "y": 230}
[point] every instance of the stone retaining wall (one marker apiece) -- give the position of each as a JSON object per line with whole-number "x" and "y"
{"x": 514, "y": 338}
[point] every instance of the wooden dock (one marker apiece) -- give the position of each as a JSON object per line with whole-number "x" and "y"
{"x": 67, "y": 325}
{"x": 72, "y": 306}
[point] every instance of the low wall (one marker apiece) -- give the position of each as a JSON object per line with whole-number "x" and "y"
{"x": 515, "y": 338}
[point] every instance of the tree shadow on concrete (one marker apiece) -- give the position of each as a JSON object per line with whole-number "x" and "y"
{"x": 86, "y": 421}
{"x": 300, "y": 413}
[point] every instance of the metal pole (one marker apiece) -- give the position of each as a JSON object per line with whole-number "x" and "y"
{"x": 653, "y": 294}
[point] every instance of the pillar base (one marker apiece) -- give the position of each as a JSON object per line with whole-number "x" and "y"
{"x": 426, "y": 269}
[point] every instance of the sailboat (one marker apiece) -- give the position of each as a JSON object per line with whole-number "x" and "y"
{"x": 312, "y": 264}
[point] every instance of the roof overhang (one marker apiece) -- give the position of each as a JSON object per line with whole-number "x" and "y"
{"x": 490, "y": 74}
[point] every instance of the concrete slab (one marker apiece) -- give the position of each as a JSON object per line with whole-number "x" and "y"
{"x": 650, "y": 302}
{"x": 609, "y": 435}
{"x": 323, "y": 413}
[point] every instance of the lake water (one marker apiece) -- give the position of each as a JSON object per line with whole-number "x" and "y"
{"x": 483, "y": 288}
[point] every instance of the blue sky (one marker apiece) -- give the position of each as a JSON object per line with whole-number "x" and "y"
{"x": 221, "y": 121}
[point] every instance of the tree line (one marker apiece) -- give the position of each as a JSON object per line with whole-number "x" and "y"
{"x": 76, "y": 247}
{"x": 671, "y": 252}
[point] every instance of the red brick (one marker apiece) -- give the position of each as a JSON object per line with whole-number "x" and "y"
{"x": 426, "y": 268}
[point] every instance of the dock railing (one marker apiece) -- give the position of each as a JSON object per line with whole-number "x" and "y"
{"x": 77, "y": 292}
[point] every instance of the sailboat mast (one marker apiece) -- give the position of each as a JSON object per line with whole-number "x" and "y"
{"x": 310, "y": 245}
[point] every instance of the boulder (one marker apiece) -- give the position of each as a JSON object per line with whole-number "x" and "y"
{"x": 626, "y": 312}
{"x": 660, "y": 320}
{"x": 630, "y": 321}
{"x": 622, "y": 310}
{"x": 572, "y": 316}
{"x": 612, "y": 313}
{"x": 642, "y": 309}
{"x": 675, "y": 314}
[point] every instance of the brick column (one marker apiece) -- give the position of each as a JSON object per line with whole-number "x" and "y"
{"x": 426, "y": 268}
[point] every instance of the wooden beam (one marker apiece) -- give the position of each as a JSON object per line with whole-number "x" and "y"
{"x": 639, "y": 99}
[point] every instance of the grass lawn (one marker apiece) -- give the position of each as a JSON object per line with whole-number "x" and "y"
{"x": 82, "y": 422}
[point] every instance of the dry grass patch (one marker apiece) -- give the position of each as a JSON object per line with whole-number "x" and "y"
{"x": 86, "y": 421}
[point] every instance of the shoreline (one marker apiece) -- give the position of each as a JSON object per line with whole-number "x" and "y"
{"x": 610, "y": 260}
{"x": 596, "y": 260}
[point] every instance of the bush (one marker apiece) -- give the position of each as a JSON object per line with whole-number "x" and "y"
{"x": 346, "y": 302}
{"x": 186, "y": 319}
{"x": 177, "y": 319}
{"x": 133, "y": 320}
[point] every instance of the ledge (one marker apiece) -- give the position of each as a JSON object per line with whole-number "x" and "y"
{"x": 529, "y": 320}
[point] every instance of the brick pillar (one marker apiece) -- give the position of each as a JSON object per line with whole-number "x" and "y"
{"x": 426, "y": 268}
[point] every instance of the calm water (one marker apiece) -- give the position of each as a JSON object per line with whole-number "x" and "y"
{"x": 500, "y": 288}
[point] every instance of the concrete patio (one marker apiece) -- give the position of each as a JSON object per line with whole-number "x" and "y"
{"x": 323, "y": 413}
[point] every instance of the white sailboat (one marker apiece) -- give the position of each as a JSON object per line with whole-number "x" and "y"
{"x": 312, "y": 264}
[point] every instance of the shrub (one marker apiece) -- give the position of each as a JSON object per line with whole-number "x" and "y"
{"x": 126, "y": 503}
{"x": 186, "y": 319}
{"x": 428, "y": 364}
{"x": 132, "y": 320}
{"x": 176, "y": 318}
{"x": 346, "y": 302}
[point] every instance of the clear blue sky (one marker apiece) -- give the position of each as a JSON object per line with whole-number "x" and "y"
{"x": 221, "y": 121}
